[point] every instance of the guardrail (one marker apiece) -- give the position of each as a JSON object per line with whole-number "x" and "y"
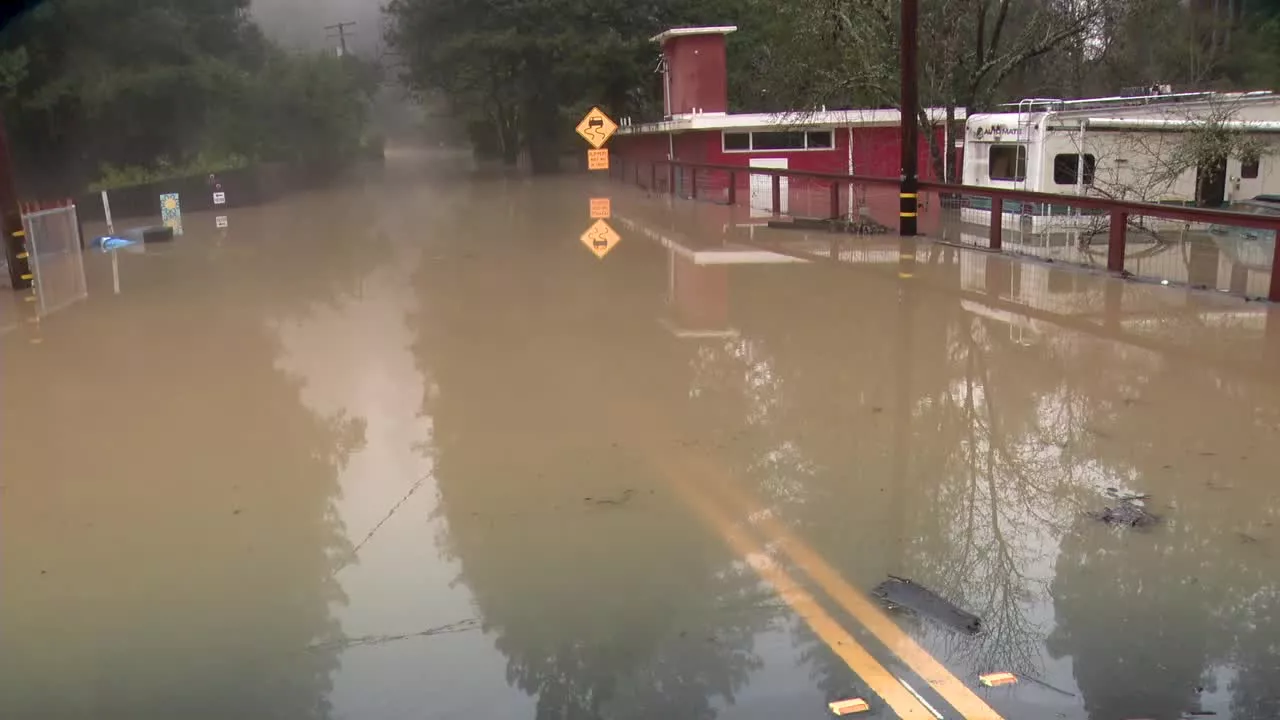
{"x": 1169, "y": 243}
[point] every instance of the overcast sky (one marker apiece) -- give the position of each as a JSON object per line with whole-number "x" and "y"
{"x": 301, "y": 22}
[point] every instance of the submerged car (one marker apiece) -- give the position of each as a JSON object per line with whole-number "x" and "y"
{"x": 1251, "y": 247}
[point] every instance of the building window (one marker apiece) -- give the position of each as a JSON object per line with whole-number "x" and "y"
{"x": 763, "y": 140}
{"x": 820, "y": 140}
{"x": 1249, "y": 168}
{"x": 777, "y": 141}
{"x": 1067, "y": 165}
{"x": 1007, "y": 162}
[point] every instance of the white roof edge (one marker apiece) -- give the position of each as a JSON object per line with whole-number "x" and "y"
{"x": 684, "y": 31}
{"x": 744, "y": 121}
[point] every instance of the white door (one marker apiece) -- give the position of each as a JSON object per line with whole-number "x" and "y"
{"x": 762, "y": 187}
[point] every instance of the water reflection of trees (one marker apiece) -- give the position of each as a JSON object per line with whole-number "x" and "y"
{"x": 607, "y": 599}
{"x": 196, "y": 537}
{"x": 1014, "y": 431}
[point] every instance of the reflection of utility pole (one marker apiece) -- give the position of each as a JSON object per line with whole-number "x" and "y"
{"x": 341, "y": 29}
{"x": 903, "y": 401}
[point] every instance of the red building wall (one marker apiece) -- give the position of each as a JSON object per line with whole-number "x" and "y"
{"x": 696, "y": 71}
{"x": 875, "y": 155}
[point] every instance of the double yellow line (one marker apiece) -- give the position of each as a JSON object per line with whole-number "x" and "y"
{"x": 686, "y": 472}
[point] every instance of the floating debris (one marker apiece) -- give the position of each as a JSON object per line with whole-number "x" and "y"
{"x": 902, "y": 592}
{"x": 1125, "y": 514}
{"x": 848, "y": 707}
{"x": 620, "y": 500}
{"x": 997, "y": 679}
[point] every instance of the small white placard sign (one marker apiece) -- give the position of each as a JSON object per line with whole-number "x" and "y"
{"x": 220, "y": 221}
{"x": 219, "y": 198}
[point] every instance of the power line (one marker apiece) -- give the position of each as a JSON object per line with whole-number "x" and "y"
{"x": 341, "y": 29}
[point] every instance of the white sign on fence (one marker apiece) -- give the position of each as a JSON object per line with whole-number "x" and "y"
{"x": 220, "y": 221}
{"x": 219, "y": 198}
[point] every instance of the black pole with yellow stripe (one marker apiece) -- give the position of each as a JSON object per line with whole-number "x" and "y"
{"x": 910, "y": 106}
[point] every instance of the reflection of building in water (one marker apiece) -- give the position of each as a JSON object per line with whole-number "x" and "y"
{"x": 698, "y": 279}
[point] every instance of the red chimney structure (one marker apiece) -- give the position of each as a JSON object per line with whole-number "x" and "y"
{"x": 694, "y": 70}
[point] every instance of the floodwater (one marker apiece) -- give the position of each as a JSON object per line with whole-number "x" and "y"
{"x": 407, "y": 448}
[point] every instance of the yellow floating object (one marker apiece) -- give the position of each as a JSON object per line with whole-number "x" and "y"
{"x": 998, "y": 679}
{"x": 848, "y": 707}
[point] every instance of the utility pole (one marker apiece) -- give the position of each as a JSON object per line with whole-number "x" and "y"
{"x": 341, "y": 29}
{"x": 910, "y": 104}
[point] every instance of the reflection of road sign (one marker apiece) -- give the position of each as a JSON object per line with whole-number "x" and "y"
{"x": 219, "y": 198}
{"x": 220, "y": 221}
{"x": 171, "y": 212}
{"x": 600, "y": 238}
{"x": 601, "y": 208}
{"x": 597, "y": 159}
{"x": 596, "y": 128}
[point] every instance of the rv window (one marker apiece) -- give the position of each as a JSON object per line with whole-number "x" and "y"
{"x": 1066, "y": 165}
{"x": 777, "y": 141}
{"x": 819, "y": 139}
{"x": 1007, "y": 162}
{"x": 1249, "y": 169}
{"x": 737, "y": 141}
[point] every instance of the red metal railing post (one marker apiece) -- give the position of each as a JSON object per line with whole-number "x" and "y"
{"x": 1115, "y": 242}
{"x": 671, "y": 178}
{"x": 1273, "y": 292}
{"x": 835, "y": 200}
{"x": 733, "y": 188}
{"x": 996, "y": 241}
{"x": 777, "y": 194}
{"x": 653, "y": 175}
{"x": 693, "y": 183}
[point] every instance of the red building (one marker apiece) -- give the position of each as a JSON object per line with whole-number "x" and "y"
{"x": 698, "y": 128}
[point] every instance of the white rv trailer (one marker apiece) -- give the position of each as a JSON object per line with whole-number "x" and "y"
{"x": 1114, "y": 147}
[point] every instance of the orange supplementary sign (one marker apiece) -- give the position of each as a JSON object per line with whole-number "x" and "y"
{"x": 597, "y": 159}
{"x": 601, "y": 208}
{"x": 600, "y": 238}
{"x": 596, "y": 128}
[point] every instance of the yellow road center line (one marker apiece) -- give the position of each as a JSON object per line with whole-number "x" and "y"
{"x": 880, "y": 680}
{"x": 856, "y": 603}
{"x": 852, "y": 601}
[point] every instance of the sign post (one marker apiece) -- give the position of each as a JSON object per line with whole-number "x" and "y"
{"x": 596, "y": 128}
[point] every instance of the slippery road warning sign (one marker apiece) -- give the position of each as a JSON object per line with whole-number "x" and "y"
{"x": 596, "y": 128}
{"x": 600, "y": 238}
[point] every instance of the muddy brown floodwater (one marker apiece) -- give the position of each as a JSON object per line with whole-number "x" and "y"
{"x": 406, "y": 448}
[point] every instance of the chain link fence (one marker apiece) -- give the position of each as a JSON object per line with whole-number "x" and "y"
{"x": 56, "y": 258}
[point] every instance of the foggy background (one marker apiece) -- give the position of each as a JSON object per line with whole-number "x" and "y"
{"x": 301, "y": 24}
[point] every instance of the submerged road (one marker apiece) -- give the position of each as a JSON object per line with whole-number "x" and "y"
{"x": 407, "y": 448}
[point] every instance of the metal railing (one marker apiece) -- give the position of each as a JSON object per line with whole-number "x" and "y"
{"x": 1201, "y": 247}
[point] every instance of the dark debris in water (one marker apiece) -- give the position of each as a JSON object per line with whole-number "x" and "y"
{"x": 898, "y": 592}
{"x": 1125, "y": 514}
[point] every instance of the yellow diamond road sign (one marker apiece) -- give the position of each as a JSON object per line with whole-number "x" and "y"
{"x": 600, "y": 238}
{"x": 596, "y": 128}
